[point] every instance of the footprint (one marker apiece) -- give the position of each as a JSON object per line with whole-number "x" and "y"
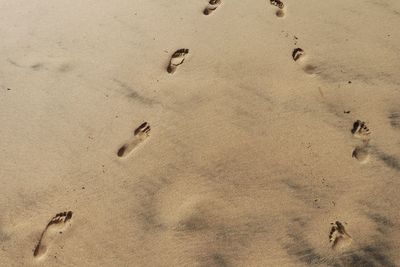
{"x": 297, "y": 53}
{"x": 299, "y": 56}
{"x": 212, "y": 5}
{"x": 177, "y": 59}
{"x": 140, "y": 134}
{"x": 56, "y": 226}
{"x": 361, "y": 153}
{"x": 338, "y": 236}
{"x": 280, "y": 12}
{"x": 360, "y": 130}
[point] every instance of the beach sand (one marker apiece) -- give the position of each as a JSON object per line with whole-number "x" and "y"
{"x": 276, "y": 142}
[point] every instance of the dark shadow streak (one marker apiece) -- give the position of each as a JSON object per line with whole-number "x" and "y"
{"x": 131, "y": 93}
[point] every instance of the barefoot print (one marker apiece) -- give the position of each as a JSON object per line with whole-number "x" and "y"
{"x": 177, "y": 59}
{"x": 299, "y": 56}
{"x": 139, "y": 135}
{"x": 361, "y": 131}
{"x": 338, "y": 236}
{"x": 279, "y": 4}
{"x": 297, "y": 53}
{"x": 212, "y": 6}
{"x": 57, "y": 225}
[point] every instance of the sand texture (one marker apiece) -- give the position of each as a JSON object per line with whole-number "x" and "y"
{"x": 195, "y": 133}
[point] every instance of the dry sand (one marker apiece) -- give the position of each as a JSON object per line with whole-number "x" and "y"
{"x": 249, "y": 158}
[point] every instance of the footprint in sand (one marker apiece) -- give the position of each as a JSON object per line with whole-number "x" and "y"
{"x": 299, "y": 56}
{"x": 297, "y": 53}
{"x": 279, "y": 4}
{"x": 140, "y": 134}
{"x": 211, "y": 7}
{"x": 177, "y": 59}
{"x": 338, "y": 236}
{"x": 361, "y": 131}
{"x": 57, "y": 225}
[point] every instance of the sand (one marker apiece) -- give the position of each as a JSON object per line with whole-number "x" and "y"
{"x": 247, "y": 158}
